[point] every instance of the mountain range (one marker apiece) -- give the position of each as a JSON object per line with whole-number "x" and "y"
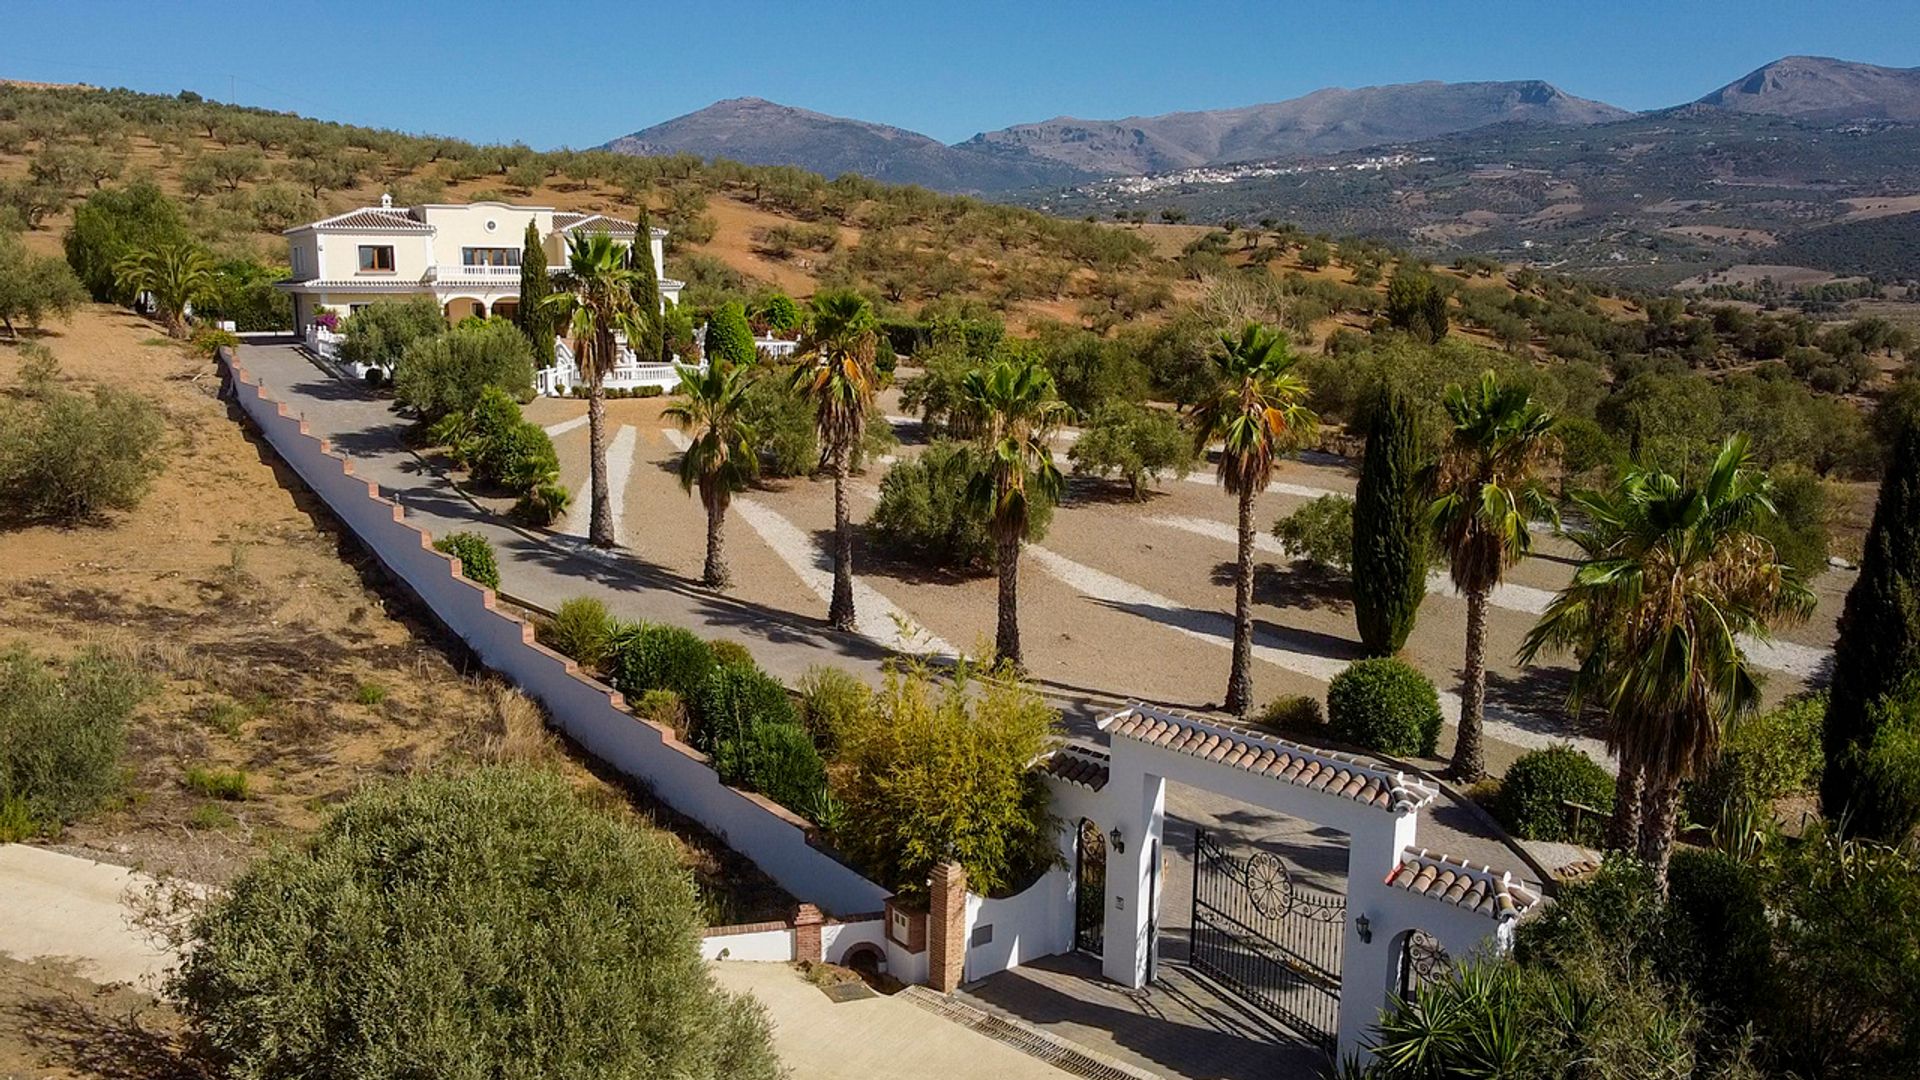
{"x": 1068, "y": 150}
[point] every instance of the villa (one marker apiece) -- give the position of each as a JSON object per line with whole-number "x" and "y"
{"x": 465, "y": 256}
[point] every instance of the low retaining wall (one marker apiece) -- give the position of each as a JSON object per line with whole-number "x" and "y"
{"x": 592, "y": 714}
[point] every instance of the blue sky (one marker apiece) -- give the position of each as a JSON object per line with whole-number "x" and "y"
{"x": 579, "y": 74}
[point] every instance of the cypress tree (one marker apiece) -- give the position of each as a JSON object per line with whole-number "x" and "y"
{"x": 729, "y": 337}
{"x": 646, "y": 291}
{"x": 1879, "y": 641}
{"x": 535, "y": 320}
{"x": 1389, "y": 528}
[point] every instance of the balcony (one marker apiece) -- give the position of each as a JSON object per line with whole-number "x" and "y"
{"x": 475, "y": 272}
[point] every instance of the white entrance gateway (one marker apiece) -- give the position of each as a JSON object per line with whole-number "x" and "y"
{"x": 1398, "y": 897}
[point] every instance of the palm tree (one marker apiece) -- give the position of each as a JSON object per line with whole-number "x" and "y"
{"x": 1017, "y": 409}
{"x": 593, "y": 298}
{"x": 1673, "y": 573}
{"x": 1486, "y": 495}
{"x": 1258, "y": 413}
{"x": 837, "y": 375}
{"x": 176, "y": 276}
{"x": 721, "y": 460}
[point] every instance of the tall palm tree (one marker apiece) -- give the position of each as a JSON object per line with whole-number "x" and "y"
{"x": 176, "y": 276}
{"x": 1017, "y": 410}
{"x": 837, "y": 376}
{"x": 593, "y": 297}
{"x": 1258, "y": 412}
{"x": 1486, "y": 493}
{"x": 721, "y": 460}
{"x": 1673, "y": 573}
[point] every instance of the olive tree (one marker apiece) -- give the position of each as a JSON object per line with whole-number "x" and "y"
{"x": 473, "y": 925}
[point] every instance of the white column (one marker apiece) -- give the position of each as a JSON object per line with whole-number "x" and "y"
{"x": 1367, "y": 967}
{"x": 1139, "y": 803}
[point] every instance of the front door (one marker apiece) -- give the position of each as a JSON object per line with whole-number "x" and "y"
{"x": 1090, "y": 892}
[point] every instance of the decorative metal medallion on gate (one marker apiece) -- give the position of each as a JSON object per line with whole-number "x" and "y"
{"x": 1273, "y": 942}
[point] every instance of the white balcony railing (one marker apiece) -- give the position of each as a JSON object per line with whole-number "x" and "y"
{"x": 476, "y": 270}
{"x": 627, "y": 373}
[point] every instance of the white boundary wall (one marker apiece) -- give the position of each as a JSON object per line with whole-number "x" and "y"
{"x": 744, "y": 943}
{"x": 590, "y": 713}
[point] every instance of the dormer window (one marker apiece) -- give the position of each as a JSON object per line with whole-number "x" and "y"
{"x": 376, "y": 259}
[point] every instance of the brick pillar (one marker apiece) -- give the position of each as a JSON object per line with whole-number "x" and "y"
{"x": 806, "y": 933}
{"x": 946, "y": 926}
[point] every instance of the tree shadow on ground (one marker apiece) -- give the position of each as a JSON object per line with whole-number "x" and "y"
{"x": 113, "y": 1035}
{"x": 1301, "y": 586}
{"x": 1108, "y": 491}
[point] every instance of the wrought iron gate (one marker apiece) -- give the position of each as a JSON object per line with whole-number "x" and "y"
{"x": 1422, "y": 961}
{"x": 1090, "y": 894}
{"x": 1271, "y": 940}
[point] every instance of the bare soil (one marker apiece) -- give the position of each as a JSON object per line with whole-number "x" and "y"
{"x": 275, "y": 645}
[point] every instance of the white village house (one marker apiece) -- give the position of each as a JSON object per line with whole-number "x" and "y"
{"x": 465, "y": 256}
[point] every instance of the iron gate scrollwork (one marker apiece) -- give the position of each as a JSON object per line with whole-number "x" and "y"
{"x": 1090, "y": 904}
{"x": 1422, "y": 961}
{"x": 1268, "y": 938}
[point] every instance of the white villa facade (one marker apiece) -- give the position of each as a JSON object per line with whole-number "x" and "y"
{"x": 465, "y": 256}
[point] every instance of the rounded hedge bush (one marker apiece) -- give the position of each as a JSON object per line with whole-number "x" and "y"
{"x": 465, "y": 925}
{"x": 1385, "y": 705}
{"x": 475, "y": 555}
{"x": 657, "y": 657}
{"x": 1293, "y": 713}
{"x": 1535, "y": 790}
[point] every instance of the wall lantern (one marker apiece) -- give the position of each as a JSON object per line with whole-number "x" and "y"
{"x": 1366, "y": 929}
{"x": 1119, "y": 846}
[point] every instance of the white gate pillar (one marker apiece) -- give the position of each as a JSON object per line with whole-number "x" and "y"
{"x": 1367, "y": 966}
{"x": 1139, "y": 801}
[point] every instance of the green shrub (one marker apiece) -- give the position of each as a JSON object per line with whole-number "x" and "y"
{"x": 657, "y": 657}
{"x": 210, "y": 816}
{"x": 61, "y": 733}
{"x": 208, "y": 340}
{"x": 1890, "y": 764}
{"x": 923, "y": 512}
{"x": 730, "y": 652}
{"x": 1764, "y": 757}
{"x": 369, "y": 693}
{"x": 1134, "y": 443}
{"x": 780, "y": 762}
{"x": 580, "y": 629}
{"x": 664, "y": 707}
{"x": 475, "y": 555}
{"x": 1716, "y": 938}
{"x": 1535, "y": 790}
{"x": 16, "y": 821}
{"x": 1320, "y": 532}
{"x": 832, "y": 700}
{"x": 462, "y": 926}
{"x": 380, "y": 333}
{"x": 732, "y": 702}
{"x": 227, "y": 784}
{"x": 68, "y": 457}
{"x": 447, "y": 373}
{"x": 114, "y": 222}
{"x": 1293, "y": 713}
{"x": 1385, "y": 705}
{"x": 544, "y": 505}
{"x": 783, "y": 426}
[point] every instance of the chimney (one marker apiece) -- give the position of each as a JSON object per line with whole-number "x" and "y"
{"x": 386, "y": 200}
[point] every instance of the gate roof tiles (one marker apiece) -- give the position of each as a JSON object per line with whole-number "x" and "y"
{"x": 1318, "y": 770}
{"x": 1487, "y": 891}
{"x": 1077, "y": 765}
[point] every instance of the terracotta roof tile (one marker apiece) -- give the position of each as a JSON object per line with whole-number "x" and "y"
{"x": 375, "y": 218}
{"x": 1483, "y": 891}
{"x": 1321, "y": 770}
{"x": 1077, "y": 765}
{"x": 595, "y": 223}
